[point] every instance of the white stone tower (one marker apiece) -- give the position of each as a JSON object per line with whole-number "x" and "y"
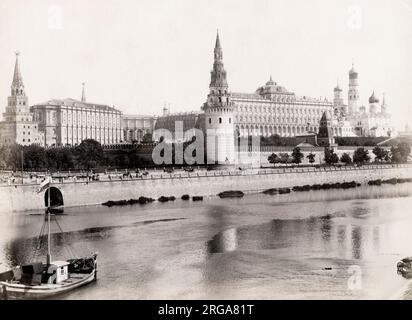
{"x": 353, "y": 93}
{"x": 220, "y": 143}
{"x": 18, "y": 126}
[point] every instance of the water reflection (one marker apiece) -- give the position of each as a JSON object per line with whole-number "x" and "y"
{"x": 326, "y": 227}
{"x": 300, "y": 235}
{"x": 357, "y": 242}
{"x": 24, "y": 250}
{"x": 225, "y": 241}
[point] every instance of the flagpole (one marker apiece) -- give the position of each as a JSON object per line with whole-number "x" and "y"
{"x": 48, "y": 222}
{"x": 22, "y": 155}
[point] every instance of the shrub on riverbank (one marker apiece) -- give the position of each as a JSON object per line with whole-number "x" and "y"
{"x": 231, "y": 194}
{"x": 141, "y": 200}
{"x": 166, "y": 199}
{"x": 326, "y": 186}
{"x": 272, "y": 191}
{"x": 284, "y": 190}
{"x": 392, "y": 181}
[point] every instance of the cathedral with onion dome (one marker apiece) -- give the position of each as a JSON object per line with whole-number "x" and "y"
{"x": 371, "y": 121}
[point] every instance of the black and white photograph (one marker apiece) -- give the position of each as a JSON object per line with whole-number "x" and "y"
{"x": 184, "y": 150}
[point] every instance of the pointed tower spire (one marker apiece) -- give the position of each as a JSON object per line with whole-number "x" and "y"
{"x": 17, "y": 86}
{"x": 218, "y": 49}
{"x": 218, "y": 74}
{"x": 83, "y": 93}
{"x": 17, "y": 78}
{"x": 217, "y": 45}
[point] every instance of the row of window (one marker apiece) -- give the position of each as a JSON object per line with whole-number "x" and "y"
{"x": 219, "y": 91}
{"x": 291, "y": 110}
{"x": 15, "y": 92}
{"x": 269, "y": 119}
{"x": 220, "y": 120}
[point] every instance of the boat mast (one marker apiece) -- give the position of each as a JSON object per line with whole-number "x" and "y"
{"x": 48, "y": 223}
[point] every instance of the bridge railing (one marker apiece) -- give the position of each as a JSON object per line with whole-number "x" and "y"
{"x": 201, "y": 174}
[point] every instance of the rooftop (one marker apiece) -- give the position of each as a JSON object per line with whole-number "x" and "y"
{"x": 69, "y": 102}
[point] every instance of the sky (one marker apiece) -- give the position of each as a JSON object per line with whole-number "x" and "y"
{"x": 140, "y": 55}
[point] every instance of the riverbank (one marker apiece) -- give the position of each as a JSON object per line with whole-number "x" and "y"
{"x": 207, "y": 184}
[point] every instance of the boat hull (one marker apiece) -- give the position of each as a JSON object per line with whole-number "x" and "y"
{"x": 20, "y": 291}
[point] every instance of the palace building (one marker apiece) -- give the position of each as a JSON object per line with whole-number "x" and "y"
{"x": 272, "y": 109}
{"x": 68, "y": 122}
{"x": 136, "y": 126}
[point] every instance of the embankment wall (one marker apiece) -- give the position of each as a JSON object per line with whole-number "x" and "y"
{"x": 25, "y": 197}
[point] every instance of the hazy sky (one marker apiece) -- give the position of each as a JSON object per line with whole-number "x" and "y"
{"x": 139, "y": 54}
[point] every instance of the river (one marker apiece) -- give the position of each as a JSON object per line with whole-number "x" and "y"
{"x": 335, "y": 244}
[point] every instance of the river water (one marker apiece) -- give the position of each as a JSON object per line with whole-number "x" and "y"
{"x": 335, "y": 244}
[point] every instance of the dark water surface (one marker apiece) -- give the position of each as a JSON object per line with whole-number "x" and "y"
{"x": 320, "y": 244}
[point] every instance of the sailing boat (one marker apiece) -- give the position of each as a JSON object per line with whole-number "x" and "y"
{"x": 40, "y": 280}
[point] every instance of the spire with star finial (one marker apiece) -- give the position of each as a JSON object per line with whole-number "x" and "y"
{"x": 218, "y": 48}
{"x": 17, "y": 86}
{"x": 17, "y": 101}
{"x": 217, "y": 44}
{"x": 218, "y": 74}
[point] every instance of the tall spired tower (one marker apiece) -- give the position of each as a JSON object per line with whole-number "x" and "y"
{"x": 18, "y": 125}
{"x": 353, "y": 92}
{"x": 218, "y": 110}
{"x": 17, "y": 101}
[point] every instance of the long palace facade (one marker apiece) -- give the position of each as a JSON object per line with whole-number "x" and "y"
{"x": 68, "y": 122}
{"x": 274, "y": 110}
